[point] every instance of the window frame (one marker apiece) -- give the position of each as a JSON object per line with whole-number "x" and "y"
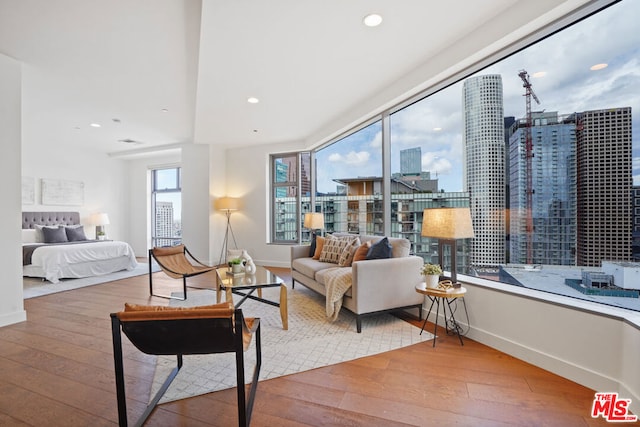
{"x": 166, "y": 190}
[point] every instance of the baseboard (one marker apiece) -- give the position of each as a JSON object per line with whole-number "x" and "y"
{"x": 11, "y": 318}
{"x": 563, "y": 368}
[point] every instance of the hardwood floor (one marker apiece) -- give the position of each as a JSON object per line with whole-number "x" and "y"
{"x": 57, "y": 370}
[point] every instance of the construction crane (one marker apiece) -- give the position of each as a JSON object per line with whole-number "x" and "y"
{"x": 529, "y": 157}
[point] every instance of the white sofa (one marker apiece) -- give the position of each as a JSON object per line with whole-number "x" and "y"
{"x": 379, "y": 285}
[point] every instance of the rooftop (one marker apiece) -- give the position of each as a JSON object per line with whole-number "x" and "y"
{"x": 551, "y": 278}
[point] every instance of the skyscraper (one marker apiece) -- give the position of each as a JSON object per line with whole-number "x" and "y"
{"x": 604, "y": 186}
{"x": 164, "y": 223}
{"x": 484, "y": 166}
{"x": 554, "y": 190}
{"x": 411, "y": 161}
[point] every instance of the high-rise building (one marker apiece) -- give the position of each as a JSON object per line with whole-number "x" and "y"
{"x": 554, "y": 190}
{"x": 411, "y": 161}
{"x": 484, "y": 167}
{"x": 604, "y": 184}
{"x": 164, "y": 223}
{"x": 635, "y": 246}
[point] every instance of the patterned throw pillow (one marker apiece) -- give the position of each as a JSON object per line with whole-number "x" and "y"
{"x": 333, "y": 248}
{"x": 346, "y": 258}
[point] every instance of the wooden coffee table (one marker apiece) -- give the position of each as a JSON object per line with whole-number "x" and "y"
{"x": 246, "y": 285}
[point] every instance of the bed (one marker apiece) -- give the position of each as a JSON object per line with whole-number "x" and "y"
{"x": 54, "y": 246}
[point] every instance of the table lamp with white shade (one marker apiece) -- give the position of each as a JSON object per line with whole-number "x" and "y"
{"x": 447, "y": 225}
{"x": 314, "y": 221}
{"x": 100, "y": 220}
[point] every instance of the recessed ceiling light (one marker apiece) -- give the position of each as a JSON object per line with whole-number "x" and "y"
{"x": 164, "y": 110}
{"x": 539, "y": 74}
{"x": 253, "y": 100}
{"x": 94, "y": 125}
{"x": 437, "y": 129}
{"x": 372, "y": 20}
{"x": 598, "y": 67}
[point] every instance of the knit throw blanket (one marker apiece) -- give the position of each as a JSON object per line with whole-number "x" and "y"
{"x": 338, "y": 281}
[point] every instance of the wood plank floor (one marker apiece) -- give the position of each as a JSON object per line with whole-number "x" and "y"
{"x": 57, "y": 370}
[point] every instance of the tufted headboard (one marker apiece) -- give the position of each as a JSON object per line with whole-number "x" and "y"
{"x": 30, "y": 219}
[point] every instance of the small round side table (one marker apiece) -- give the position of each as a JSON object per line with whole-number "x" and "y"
{"x": 446, "y": 297}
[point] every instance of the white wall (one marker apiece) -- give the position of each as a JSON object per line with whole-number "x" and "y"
{"x": 11, "y": 303}
{"x": 196, "y": 202}
{"x": 248, "y": 178}
{"x": 104, "y": 178}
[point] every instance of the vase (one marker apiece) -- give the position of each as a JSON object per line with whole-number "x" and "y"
{"x": 236, "y": 268}
{"x": 432, "y": 280}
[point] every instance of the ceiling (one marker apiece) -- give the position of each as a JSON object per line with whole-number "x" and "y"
{"x": 159, "y": 73}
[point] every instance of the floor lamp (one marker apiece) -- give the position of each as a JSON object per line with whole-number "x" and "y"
{"x": 447, "y": 225}
{"x": 228, "y": 205}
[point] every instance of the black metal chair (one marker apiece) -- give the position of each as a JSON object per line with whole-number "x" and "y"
{"x": 175, "y": 262}
{"x": 181, "y": 331}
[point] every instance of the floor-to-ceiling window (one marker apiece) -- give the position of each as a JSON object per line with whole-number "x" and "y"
{"x": 349, "y": 183}
{"x": 539, "y": 145}
{"x": 166, "y": 207}
{"x": 290, "y": 192}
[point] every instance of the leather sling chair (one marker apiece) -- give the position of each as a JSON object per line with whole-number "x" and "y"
{"x": 175, "y": 262}
{"x": 181, "y": 331}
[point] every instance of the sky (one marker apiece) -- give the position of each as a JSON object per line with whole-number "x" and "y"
{"x": 559, "y": 70}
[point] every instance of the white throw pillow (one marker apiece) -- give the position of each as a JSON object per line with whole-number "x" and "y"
{"x": 29, "y": 235}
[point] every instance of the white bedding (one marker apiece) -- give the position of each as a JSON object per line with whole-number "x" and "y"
{"x": 54, "y": 262}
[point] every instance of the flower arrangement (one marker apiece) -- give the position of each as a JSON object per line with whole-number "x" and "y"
{"x": 235, "y": 261}
{"x": 431, "y": 270}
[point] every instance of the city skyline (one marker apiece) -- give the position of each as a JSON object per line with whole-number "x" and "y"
{"x": 559, "y": 67}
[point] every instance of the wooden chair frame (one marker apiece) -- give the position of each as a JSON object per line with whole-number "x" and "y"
{"x": 180, "y": 336}
{"x": 193, "y": 270}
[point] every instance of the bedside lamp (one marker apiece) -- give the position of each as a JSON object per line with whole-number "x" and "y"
{"x": 447, "y": 225}
{"x": 100, "y": 220}
{"x": 314, "y": 221}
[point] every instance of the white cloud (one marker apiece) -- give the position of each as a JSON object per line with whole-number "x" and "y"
{"x": 352, "y": 158}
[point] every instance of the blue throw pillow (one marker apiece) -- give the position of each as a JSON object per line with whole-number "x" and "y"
{"x": 380, "y": 250}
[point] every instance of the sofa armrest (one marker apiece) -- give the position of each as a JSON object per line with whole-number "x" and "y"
{"x": 383, "y": 284}
{"x": 300, "y": 251}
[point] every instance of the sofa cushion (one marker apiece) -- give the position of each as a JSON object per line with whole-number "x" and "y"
{"x": 380, "y": 250}
{"x": 334, "y": 247}
{"x": 309, "y": 266}
{"x": 400, "y": 248}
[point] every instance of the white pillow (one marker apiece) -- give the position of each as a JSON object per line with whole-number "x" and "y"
{"x": 29, "y": 235}
{"x": 40, "y": 234}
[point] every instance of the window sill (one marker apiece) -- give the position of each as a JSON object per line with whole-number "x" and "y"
{"x": 629, "y": 316}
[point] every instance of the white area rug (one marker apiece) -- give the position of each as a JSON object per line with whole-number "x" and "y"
{"x": 35, "y": 287}
{"x": 311, "y": 342}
